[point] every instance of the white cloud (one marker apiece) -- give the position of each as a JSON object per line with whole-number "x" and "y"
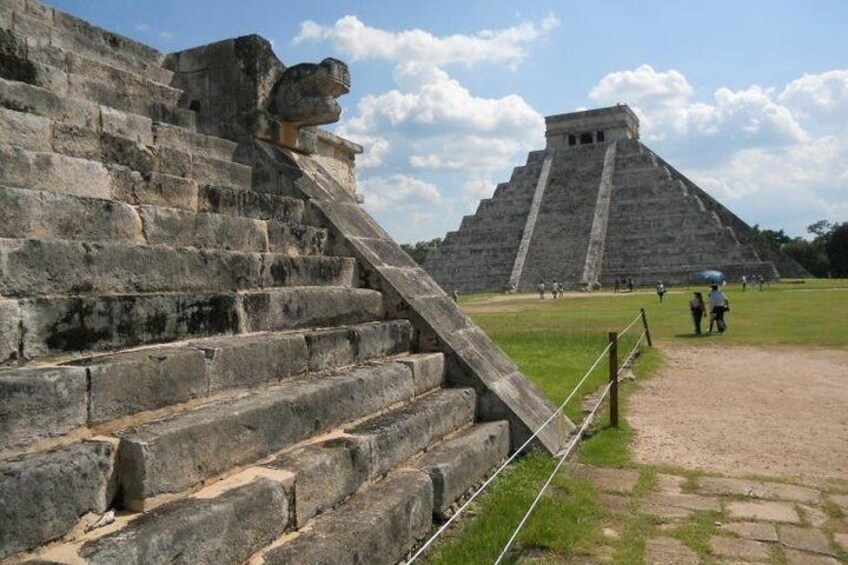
{"x": 396, "y": 192}
{"x": 167, "y": 35}
{"x": 664, "y": 102}
{"x": 822, "y": 97}
{"x": 359, "y": 41}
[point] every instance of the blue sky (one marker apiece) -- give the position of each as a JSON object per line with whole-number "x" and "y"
{"x": 749, "y": 99}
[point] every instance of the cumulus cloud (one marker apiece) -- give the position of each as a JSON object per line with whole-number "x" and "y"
{"x": 399, "y": 190}
{"x": 359, "y": 41}
{"x": 665, "y": 103}
{"x": 821, "y": 97}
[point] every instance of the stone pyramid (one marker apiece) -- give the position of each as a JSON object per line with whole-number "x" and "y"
{"x": 596, "y": 205}
{"x": 202, "y": 335}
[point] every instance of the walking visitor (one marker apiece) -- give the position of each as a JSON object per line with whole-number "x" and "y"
{"x": 718, "y": 306}
{"x": 697, "y": 308}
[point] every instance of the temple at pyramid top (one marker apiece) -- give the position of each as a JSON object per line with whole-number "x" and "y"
{"x": 595, "y": 206}
{"x": 600, "y": 125}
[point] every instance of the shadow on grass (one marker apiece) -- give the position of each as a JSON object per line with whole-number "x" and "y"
{"x": 694, "y": 336}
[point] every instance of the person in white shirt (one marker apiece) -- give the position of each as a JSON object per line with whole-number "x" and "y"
{"x": 718, "y": 306}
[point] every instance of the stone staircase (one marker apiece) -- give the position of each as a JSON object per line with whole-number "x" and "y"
{"x": 239, "y": 373}
{"x": 487, "y": 242}
{"x": 565, "y": 219}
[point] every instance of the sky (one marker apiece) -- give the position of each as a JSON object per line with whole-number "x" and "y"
{"x": 748, "y": 99}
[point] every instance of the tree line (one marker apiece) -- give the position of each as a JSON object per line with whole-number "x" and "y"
{"x": 825, "y": 254}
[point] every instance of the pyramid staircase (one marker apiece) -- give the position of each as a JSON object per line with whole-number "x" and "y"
{"x": 215, "y": 364}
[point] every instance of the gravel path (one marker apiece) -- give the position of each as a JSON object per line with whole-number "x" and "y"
{"x": 747, "y": 411}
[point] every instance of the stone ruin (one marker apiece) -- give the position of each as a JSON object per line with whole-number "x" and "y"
{"x": 596, "y": 206}
{"x": 203, "y": 336}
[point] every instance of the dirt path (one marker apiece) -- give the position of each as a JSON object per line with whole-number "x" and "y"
{"x": 747, "y": 411}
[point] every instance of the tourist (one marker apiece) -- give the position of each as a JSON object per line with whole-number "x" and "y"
{"x": 615, "y": 290}
{"x": 744, "y": 283}
{"x": 718, "y": 306}
{"x": 630, "y": 284}
{"x": 697, "y": 308}
{"x": 456, "y": 295}
{"x": 554, "y": 289}
{"x": 542, "y": 290}
{"x": 660, "y": 290}
{"x": 561, "y": 290}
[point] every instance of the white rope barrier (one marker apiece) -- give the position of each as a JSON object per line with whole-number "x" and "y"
{"x": 521, "y": 448}
{"x": 630, "y": 325}
{"x": 562, "y": 459}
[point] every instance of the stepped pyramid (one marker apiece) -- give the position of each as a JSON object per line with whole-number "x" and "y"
{"x": 596, "y": 206}
{"x": 200, "y": 328}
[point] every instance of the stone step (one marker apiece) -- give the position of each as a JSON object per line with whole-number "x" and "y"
{"x": 45, "y": 494}
{"x": 56, "y": 325}
{"x": 120, "y": 139}
{"x": 47, "y": 402}
{"x": 398, "y": 435}
{"x": 249, "y": 204}
{"x": 224, "y": 529}
{"x": 179, "y": 228}
{"x": 179, "y": 452}
{"x": 379, "y": 525}
{"x": 43, "y": 26}
{"x": 31, "y": 268}
{"x": 189, "y": 141}
{"x": 459, "y": 463}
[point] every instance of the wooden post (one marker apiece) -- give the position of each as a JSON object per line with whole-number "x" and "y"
{"x": 613, "y": 376}
{"x": 645, "y": 325}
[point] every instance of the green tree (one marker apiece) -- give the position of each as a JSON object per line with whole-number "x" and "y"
{"x": 418, "y": 251}
{"x": 836, "y": 247}
{"x": 810, "y": 255}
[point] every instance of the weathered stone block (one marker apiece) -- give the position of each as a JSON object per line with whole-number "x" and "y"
{"x": 10, "y": 330}
{"x": 226, "y": 529}
{"x": 189, "y": 141}
{"x": 32, "y": 99}
{"x": 283, "y": 270}
{"x": 330, "y": 348}
{"x": 112, "y": 322}
{"x": 459, "y": 463}
{"x": 174, "y": 162}
{"x": 34, "y": 214}
{"x": 45, "y": 494}
{"x": 379, "y": 340}
{"x": 382, "y": 252}
{"x": 128, "y": 126}
{"x": 296, "y": 239}
{"x": 158, "y": 190}
{"x": 172, "y": 454}
{"x": 428, "y": 370}
{"x": 75, "y": 141}
{"x": 400, "y": 434}
{"x": 289, "y": 308}
{"x": 122, "y": 151}
{"x": 379, "y": 526}
{"x": 246, "y": 361}
{"x": 44, "y": 267}
{"x": 222, "y": 200}
{"x": 40, "y": 403}
{"x": 25, "y": 130}
{"x": 325, "y": 474}
{"x": 410, "y": 282}
{"x": 127, "y": 383}
{"x": 185, "y": 229}
{"x": 223, "y": 173}
{"x": 54, "y": 173}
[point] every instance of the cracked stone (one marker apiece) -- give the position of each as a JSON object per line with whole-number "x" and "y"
{"x": 670, "y": 484}
{"x": 615, "y": 504}
{"x": 758, "y": 489}
{"x": 795, "y": 557}
{"x": 738, "y": 548}
{"x": 805, "y": 538}
{"x": 688, "y": 501}
{"x": 669, "y": 551}
{"x": 766, "y": 511}
{"x": 760, "y": 531}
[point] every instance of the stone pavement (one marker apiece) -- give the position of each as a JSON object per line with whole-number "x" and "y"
{"x": 706, "y": 519}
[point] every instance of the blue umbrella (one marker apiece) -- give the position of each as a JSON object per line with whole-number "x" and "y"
{"x": 711, "y": 275}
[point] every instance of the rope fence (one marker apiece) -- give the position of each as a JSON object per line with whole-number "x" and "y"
{"x": 611, "y": 388}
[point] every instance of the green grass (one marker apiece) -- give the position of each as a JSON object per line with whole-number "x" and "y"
{"x": 554, "y": 342}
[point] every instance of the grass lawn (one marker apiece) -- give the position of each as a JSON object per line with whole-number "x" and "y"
{"x": 554, "y": 342}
